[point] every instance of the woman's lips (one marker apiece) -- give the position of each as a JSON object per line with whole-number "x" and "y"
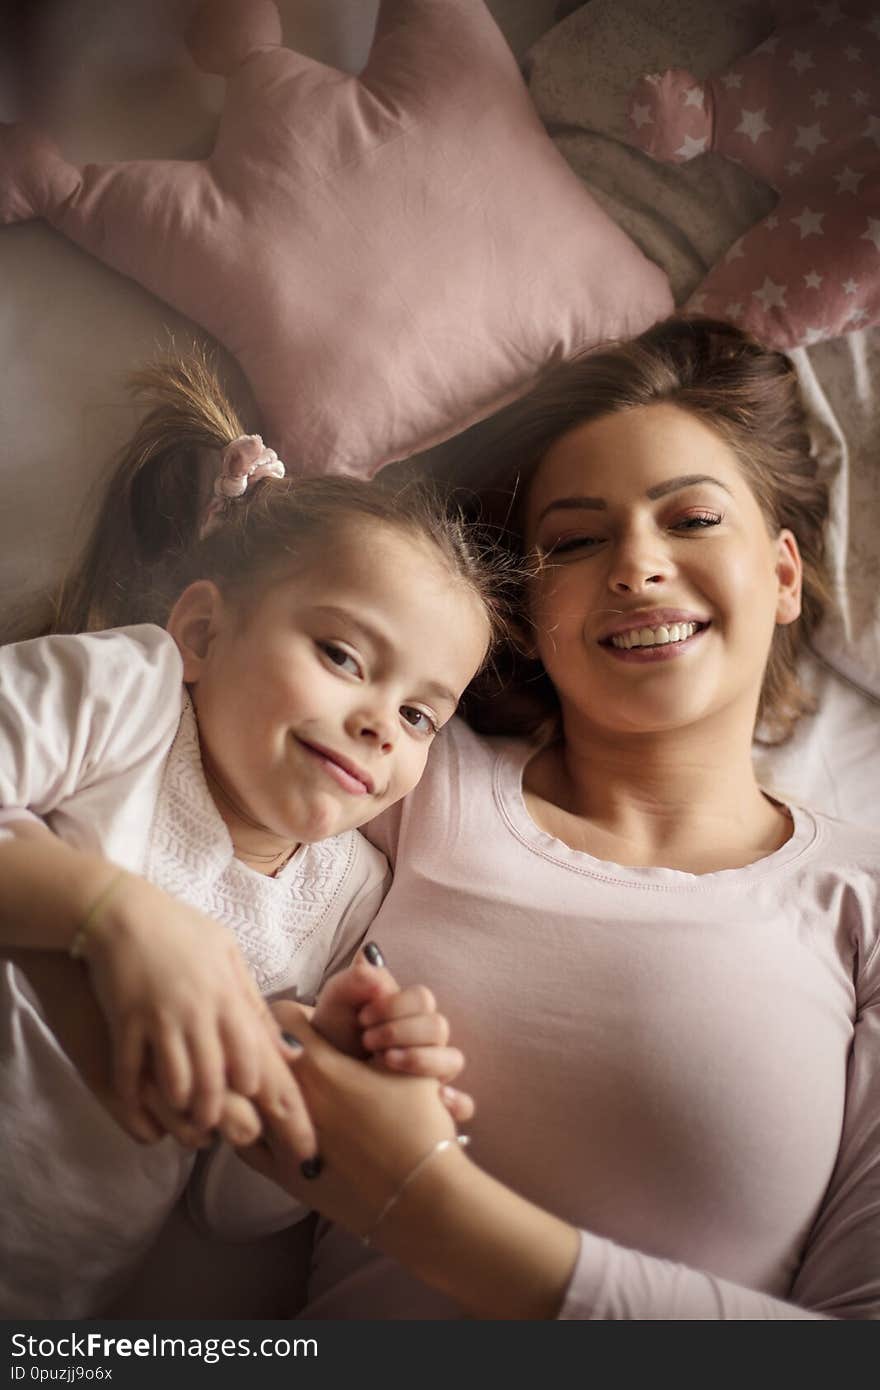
{"x": 345, "y": 773}
{"x": 665, "y": 651}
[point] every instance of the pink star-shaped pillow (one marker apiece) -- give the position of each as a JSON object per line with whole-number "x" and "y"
{"x": 802, "y": 111}
{"x": 390, "y": 257}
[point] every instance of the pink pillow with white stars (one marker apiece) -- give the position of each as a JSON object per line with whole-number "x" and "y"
{"x": 801, "y": 111}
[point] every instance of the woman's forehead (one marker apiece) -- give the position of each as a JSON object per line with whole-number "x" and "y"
{"x": 643, "y": 444}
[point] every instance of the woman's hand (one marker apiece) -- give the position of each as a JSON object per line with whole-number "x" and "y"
{"x": 363, "y": 1012}
{"x": 183, "y": 1009}
{"x": 373, "y": 1126}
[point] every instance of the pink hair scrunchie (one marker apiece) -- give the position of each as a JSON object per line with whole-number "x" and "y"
{"x": 246, "y": 460}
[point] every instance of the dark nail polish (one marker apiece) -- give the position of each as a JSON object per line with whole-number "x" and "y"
{"x": 373, "y": 954}
{"x": 311, "y": 1167}
{"x": 291, "y": 1041}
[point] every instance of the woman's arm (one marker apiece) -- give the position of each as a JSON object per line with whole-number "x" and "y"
{"x": 454, "y": 1226}
{"x": 471, "y": 1238}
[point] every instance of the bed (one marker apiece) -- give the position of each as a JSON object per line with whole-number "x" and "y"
{"x": 117, "y": 83}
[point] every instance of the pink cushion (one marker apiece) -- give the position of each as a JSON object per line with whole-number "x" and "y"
{"x": 390, "y": 257}
{"x": 802, "y": 111}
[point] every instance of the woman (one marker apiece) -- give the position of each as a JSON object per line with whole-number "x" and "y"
{"x": 666, "y": 983}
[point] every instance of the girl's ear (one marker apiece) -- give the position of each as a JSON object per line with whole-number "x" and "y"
{"x": 194, "y": 622}
{"x": 789, "y": 577}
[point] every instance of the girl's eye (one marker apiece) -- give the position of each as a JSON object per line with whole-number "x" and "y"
{"x": 697, "y": 521}
{"x": 419, "y": 720}
{"x": 341, "y": 657}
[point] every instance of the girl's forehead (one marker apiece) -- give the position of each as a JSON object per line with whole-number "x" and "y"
{"x": 375, "y": 559}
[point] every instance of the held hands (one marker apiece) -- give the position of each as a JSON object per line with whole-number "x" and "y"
{"x": 363, "y": 1012}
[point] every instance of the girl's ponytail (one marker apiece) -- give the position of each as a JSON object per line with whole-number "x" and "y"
{"x": 156, "y": 499}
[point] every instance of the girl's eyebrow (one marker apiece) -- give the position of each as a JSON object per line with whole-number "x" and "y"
{"x": 658, "y": 490}
{"x": 374, "y": 635}
{"x": 383, "y": 644}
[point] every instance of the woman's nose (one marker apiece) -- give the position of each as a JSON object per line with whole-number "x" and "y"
{"x": 637, "y": 564}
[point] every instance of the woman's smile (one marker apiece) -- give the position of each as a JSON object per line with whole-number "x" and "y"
{"x": 656, "y": 634}
{"x": 664, "y": 642}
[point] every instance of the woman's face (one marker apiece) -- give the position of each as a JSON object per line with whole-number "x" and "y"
{"x": 661, "y": 585}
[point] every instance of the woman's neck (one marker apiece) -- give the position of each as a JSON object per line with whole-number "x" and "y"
{"x": 684, "y": 799}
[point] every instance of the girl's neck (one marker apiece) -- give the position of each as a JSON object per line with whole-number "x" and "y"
{"x": 687, "y": 799}
{"x": 254, "y": 844}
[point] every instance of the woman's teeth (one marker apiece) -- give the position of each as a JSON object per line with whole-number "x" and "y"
{"x": 654, "y": 636}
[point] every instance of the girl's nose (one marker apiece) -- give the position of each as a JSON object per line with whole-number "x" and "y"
{"x": 375, "y": 727}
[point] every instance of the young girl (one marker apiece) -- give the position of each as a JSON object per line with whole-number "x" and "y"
{"x": 204, "y": 781}
{"x": 666, "y": 980}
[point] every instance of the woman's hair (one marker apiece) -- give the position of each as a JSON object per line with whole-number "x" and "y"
{"x": 147, "y": 543}
{"x": 749, "y": 395}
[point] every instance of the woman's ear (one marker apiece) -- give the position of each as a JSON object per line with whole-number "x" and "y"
{"x": 789, "y": 577}
{"x": 194, "y": 622}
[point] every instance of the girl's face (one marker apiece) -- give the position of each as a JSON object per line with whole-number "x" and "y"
{"x": 662, "y": 585}
{"x": 317, "y": 705}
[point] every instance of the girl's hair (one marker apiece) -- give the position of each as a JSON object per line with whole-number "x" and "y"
{"x": 146, "y": 545}
{"x": 749, "y": 395}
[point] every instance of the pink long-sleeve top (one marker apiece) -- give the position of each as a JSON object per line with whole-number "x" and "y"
{"x": 686, "y": 1067}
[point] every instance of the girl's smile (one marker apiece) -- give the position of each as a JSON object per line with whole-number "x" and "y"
{"x": 347, "y": 773}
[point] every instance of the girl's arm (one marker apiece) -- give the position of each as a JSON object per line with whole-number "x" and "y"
{"x": 46, "y": 888}
{"x": 173, "y": 988}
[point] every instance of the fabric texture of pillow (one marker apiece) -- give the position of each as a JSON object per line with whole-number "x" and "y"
{"x": 389, "y": 257}
{"x": 799, "y": 111}
{"x": 580, "y": 77}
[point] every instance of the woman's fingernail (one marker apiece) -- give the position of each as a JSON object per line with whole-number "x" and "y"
{"x": 292, "y": 1041}
{"x": 311, "y": 1167}
{"x": 373, "y": 954}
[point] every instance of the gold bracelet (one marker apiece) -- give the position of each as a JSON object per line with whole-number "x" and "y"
{"x": 77, "y": 946}
{"x": 462, "y": 1139}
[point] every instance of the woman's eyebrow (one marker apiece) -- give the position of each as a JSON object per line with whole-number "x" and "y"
{"x": 574, "y": 504}
{"x": 658, "y": 490}
{"x": 686, "y": 480}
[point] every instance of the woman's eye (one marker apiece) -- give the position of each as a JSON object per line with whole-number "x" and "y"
{"x": 568, "y": 544}
{"x": 341, "y": 658}
{"x": 419, "y": 720}
{"x": 696, "y": 521}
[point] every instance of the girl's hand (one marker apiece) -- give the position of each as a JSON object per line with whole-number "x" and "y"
{"x": 182, "y": 1008}
{"x": 363, "y": 1012}
{"x": 239, "y": 1121}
